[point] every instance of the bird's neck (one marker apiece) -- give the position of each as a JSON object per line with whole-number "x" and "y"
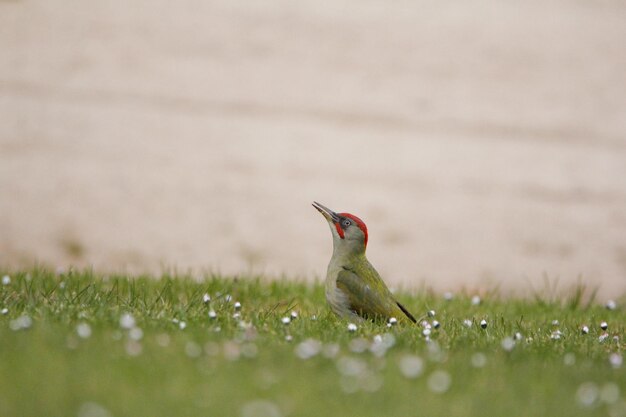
{"x": 348, "y": 251}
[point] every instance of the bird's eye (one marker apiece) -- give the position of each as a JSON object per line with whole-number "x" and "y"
{"x": 346, "y": 223}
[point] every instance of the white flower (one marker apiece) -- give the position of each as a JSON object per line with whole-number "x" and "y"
{"x": 352, "y": 327}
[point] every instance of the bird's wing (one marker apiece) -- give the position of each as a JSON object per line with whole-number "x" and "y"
{"x": 369, "y": 302}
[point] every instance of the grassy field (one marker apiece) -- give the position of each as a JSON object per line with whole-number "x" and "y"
{"x": 82, "y": 344}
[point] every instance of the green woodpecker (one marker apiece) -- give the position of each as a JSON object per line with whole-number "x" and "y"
{"x": 354, "y": 288}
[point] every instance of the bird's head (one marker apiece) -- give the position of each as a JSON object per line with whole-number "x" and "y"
{"x": 349, "y": 232}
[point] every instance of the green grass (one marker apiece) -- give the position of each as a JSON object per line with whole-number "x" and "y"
{"x": 247, "y": 366}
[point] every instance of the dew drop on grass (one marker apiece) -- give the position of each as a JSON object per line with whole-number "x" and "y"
{"x": 411, "y": 366}
{"x": 439, "y": 382}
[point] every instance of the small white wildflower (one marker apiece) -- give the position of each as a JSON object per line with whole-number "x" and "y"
{"x": 182, "y": 325}
{"x": 288, "y": 338}
{"x": 358, "y": 345}
{"x": 286, "y": 320}
{"x": 426, "y": 332}
{"x": 518, "y": 336}
{"x": 555, "y": 322}
{"x": 587, "y": 394}
{"x": 508, "y": 344}
{"x": 584, "y": 330}
{"x": 475, "y": 300}
{"x": 439, "y": 382}
{"x": 603, "y": 337}
{"x": 228, "y": 298}
{"x": 467, "y": 323}
{"x": 163, "y": 339}
{"x": 6, "y": 280}
{"x": 249, "y": 350}
{"x": 556, "y": 335}
{"x": 609, "y": 394}
{"x": 330, "y": 350}
{"x": 260, "y": 408}
{"x": 308, "y": 348}
{"x": 615, "y": 359}
{"x": 212, "y": 314}
{"x": 237, "y": 305}
{"x": 127, "y": 321}
{"x": 236, "y": 315}
{"x": 479, "y": 360}
{"x": 448, "y": 296}
{"x": 135, "y": 333}
{"x": 206, "y": 298}
{"x": 436, "y": 324}
{"x": 21, "y": 323}
{"x": 314, "y": 317}
{"x": 431, "y": 313}
{"x": 294, "y": 315}
{"x": 83, "y": 330}
{"x": 604, "y": 325}
{"x": 352, "y": 327}
{"x": 392, "y": 321}
{"x": 4, "y": 311}
{"x": 91, "y": 409}
{"x": 411, "y": 366}
{"x": 611, "y": 305}
{"x": 616, "y": 339}
{"x": 193, "y": 350}
{"x": 483, "y": 323}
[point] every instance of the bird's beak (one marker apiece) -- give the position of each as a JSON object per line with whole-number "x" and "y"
{"x": 330, "y": 215}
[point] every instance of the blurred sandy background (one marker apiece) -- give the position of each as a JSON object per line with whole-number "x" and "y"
{"x": 482, "y": 142}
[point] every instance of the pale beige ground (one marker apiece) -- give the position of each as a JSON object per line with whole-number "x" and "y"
{"x": 482, "y": 141}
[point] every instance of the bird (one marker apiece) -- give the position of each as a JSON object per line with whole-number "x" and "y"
{"x": 354, "y": 289}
